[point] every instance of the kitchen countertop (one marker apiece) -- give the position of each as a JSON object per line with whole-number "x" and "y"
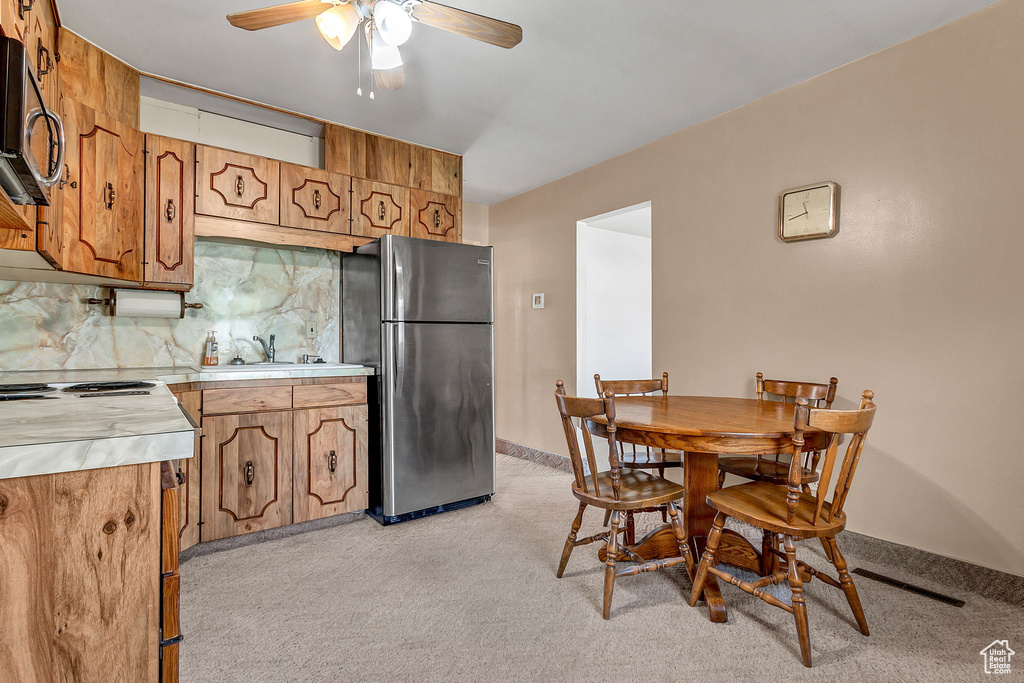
{"x": 67, "y": 433}
{"x": 179, "y": 374}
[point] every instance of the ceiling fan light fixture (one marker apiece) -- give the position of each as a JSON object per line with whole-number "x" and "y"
{"x": 338, "y": 24}
{"x": 382, "y": 55}
{"x": 394, "y": 25}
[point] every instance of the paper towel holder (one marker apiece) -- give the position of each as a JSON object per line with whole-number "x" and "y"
{"x": 111, "y": 301}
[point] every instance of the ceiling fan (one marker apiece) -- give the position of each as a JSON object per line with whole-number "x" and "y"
{"x": 387, "y": 25}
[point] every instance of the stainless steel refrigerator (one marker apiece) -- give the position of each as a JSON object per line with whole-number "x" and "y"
{"x": 421, "y": 313}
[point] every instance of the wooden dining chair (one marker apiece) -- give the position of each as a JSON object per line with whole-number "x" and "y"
{"x": 634, "y": 456}
{"x": 796, "y": 515}
{"x": 769, "y": 467}
{"x": 615, "y": 490}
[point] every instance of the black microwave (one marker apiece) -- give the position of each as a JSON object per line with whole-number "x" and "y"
{"x": 31, "y": 136}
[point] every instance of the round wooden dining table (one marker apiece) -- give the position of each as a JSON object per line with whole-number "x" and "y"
{"x": 704, "y": 427}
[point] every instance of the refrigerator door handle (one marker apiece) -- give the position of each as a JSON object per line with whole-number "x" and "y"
{"x": 399, "y": 350}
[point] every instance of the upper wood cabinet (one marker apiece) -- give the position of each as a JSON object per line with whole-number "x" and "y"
{"x": 102, "y": 203}
{"x": 329, "y": 475}
{"x": 170, "y": 217}
{"x": 315, "y": 199}
{"x": 247, "y": 464}
{"x": 435, "y": 216}
{"x": 234, "y": 185}
{"x": 386, "y": 160}
{"x": 379, "y": 209}
{"x": 97, "y": 79}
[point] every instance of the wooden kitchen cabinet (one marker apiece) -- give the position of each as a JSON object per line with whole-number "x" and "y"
{"x": 80, "y": 584}
{"x": 315, "y": 199}
{"x": 379, "y": 209}
{"x": 188, "y": 476}
{"x": 169, "y": 213}
{"x": 435, "y": 216}
{"x": 235, "y": 185}
{"x": 102, "y": 197}
{"x": 246, "y": 479}
{"x": 329, "y": 470}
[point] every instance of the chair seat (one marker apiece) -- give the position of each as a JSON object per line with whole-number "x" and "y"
{"x": 764, "y": 505}
{"x": 763, "y": 470}
{"x": 637, "y": 489}
{"x": 651, "y": 459}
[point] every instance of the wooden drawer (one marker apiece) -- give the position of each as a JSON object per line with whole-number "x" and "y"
{"x": 315, "y": 395}
{"x": 255, "y": 400}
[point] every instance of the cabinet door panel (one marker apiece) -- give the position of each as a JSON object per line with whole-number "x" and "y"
{"x": 189, "y": 469}
{"x": 435, "y": 216}
{"x": 330, "y": 463}
{"x": 379, "y": 209}
{"x": 102, "y": 202}
{"x": 170, "y": 218}
{"x": 235, "y": 185}
{"x": 247, "y": 460}
{"x": 314, "y": 199}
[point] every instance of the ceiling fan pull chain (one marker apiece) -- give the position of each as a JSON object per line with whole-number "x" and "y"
{"x": 369, "y": 51}
{"x": 359, "y": 73}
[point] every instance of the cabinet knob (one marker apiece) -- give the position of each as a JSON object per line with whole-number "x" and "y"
{"x": 437, "y": 218}
{"x": 170, "y": 211}
{"x": 249, "y": 472}
{"x": 239, "y": 185}
{"x": 180, "y": 476}
{"x": 332, "y": 462}
{"x": 110, "y": 196}
{"x": 382, "y": 211}
{"x": 317, "y": 200}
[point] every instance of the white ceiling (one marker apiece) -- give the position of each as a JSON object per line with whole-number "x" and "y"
{"x": 590, "y": 80}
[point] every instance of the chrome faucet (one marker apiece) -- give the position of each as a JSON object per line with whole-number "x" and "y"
{"x": 269, "y": 350}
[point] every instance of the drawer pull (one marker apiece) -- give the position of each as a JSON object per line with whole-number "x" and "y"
{"x": 24, "y": 6}
{"x": 109, "y": 196}
{"x": 239, "y": 186}
{"x": 69, "y": 181}
{"x": 332, "y": 462}
{"x": 317, "y": 199}
{"x": 170, "y": 211}
{"x": 171, "y": 641}
{"x": 437, "y": 218}
{"x": 382, "y": 211}
{"x": 249, "y": 472}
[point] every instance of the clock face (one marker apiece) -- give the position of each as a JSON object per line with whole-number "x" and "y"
{"x": 808, "y": 212}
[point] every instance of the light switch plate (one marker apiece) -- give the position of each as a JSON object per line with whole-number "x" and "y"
{"x": 538, "y": 301}
{"x": 311, "y": 330}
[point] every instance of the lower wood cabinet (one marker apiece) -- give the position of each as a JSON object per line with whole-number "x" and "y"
{"x": 80, "y": 576}
{"x": 329, "y": 471}
{"x": 247, "y": 464}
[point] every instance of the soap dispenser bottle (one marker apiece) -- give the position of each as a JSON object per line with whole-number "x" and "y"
{"x": 211, "y": 356}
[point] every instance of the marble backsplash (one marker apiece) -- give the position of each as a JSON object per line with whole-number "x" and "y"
{"x": 245, "y": 290}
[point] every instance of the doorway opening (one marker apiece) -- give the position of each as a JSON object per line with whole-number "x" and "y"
{"x": 613, "y": 297}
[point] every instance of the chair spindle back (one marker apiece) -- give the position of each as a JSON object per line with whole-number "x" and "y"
{"x": 835, "y": 422}
{"x": 570, "y": 407}
{"x": 632, "y": 387}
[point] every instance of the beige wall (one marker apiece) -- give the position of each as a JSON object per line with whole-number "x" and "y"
{"x": 919, "y": 297}
{"x": 475, "y": 223}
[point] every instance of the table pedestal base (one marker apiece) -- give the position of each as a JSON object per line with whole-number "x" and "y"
{"x": 733, "y": 549}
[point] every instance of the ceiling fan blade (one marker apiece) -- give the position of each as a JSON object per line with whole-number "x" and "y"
{"x": 255, "y": 19}
{"x": 500, "y": 33}
{"x": 389, "y": 79}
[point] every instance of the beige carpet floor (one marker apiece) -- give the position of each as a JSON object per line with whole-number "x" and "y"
{"x": 471, "y": 596}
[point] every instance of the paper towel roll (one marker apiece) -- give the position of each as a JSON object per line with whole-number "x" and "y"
{"x": 141, "y": 303}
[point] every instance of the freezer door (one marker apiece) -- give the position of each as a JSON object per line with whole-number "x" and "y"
{"x": 430, "y": 281}
{"x": 438, "y": 415}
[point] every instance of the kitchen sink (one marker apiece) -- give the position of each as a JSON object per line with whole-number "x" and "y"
{"x": 298, "y": 367}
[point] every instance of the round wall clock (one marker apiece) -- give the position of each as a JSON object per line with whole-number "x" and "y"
{"x": 809, "y": 212}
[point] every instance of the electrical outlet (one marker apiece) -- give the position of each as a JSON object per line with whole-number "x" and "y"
{"x": 311, "y": 330}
